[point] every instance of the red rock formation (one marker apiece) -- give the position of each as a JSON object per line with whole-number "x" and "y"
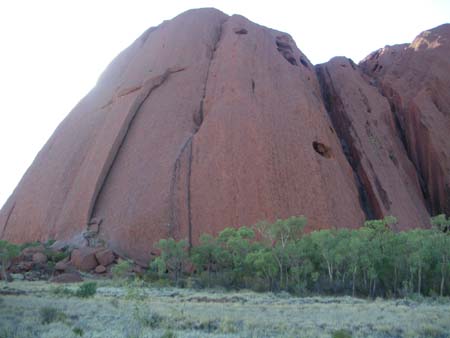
{"x": 365, "y": 123}
{"x": 204, "y": 122}
{"x": 415, "y": 79}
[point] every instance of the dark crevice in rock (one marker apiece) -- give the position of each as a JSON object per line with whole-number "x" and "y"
{"x": 365, "y": 100}
{"x": 149, "y": 86}
{"x": 383, "y": 194}
{"x": 393, "y": 99}
{"x": 253, "y": 86}
{"x": 7, "y": 219}
{"x": 198, "y": 119}
{"x": 240, "y": 31}
{"x": 303, "y": 62}
{"x": 347, "y": 136}
{"x": 188, "y": 189}
{"x": 197, "y": 127}
{"x": 173, "y": 207}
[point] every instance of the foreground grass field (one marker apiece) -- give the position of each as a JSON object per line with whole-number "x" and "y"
{"x": 34, "y": 309}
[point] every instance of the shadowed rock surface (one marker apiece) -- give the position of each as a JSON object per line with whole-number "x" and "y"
{"x": 415, "y": 79}
{"x": 362, "y": 117}
{"x": 209, "y": 121}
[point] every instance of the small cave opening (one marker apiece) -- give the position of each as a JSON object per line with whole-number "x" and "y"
{"x": 240, "y": 31}
{"x": 322, "y": 149}
{"x": 290, "y": 58}
{"x": 283, "y": 45}
{"x": 285, "y": 49}
{"x": 303, "y": 62}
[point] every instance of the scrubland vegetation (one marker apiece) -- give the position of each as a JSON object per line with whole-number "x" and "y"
{"x": 370, "y": 261}
{"x": 137, "y": 309}
{"x": 269, "y": 280}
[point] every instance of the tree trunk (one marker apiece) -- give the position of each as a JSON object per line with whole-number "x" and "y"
{"x": 353, "y": 283}
{"x": 209, "y": 275}
{"x": 330, "y": 271}
{"x": 419, "y": 281}
{"x": 365, "y": 279}
{"x": 286, "y": 279}
{"x": 441, "y": 290}
{"x": 411, "y": 284}
{"x": 374, "y": 288}
{"x": 4, "y": 276}
{"x": 395, "y": 280}
{"x": 280, "y": 266}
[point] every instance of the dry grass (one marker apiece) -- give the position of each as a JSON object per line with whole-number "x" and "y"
{"x": 139, "y": 311}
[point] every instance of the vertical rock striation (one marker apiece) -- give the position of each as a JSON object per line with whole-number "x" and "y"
{"x": 415, "y": 79}
{"x": 366, "y": 127}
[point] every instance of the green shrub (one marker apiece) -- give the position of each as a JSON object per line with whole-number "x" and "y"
{"x": 168, "y": 334}
{"x": 342, "y": 334}
{"x": 62, "y": 291}
{"x": 56, "y": 256}
{"x": 369, "y": 261}
{"x": 78, "y": 331}
{"x": 29, "y": 245}
{"x": 121, "y": 269}
{"x": 50, "y": 314}
{"x": 87, "y": 289}
{"x": 7, "y": 252}
{"x": 173, "y": 258}
{"x": 49, "y": 243}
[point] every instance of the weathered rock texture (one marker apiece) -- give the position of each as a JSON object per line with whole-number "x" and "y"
{"x": 362, "y": 117}
{"x": 209, "y": 121}
{"x": 415, "y": 79}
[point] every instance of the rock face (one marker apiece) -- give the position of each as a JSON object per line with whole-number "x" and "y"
{"x": 209, "y": 121}
{"x": 362, "y": 117}
{"x": 415, "y": 79}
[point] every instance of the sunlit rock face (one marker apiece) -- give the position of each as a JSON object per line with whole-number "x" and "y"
{"x": 209, "y": 121}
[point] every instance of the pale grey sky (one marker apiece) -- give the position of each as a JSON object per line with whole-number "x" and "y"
{"x": 53, "y": 51}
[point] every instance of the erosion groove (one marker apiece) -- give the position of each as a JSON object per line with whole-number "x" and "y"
{"x": 397, "y": 113}
{"x": 211, "y": 59}
{"x": 188, "y": 183}
{"x": 173, "y": 217}
{"x": 149, "y": 86}
{"x": 198, "y": 119}
{"x": 7, "y": 219}
{"x": 344, "y": 130}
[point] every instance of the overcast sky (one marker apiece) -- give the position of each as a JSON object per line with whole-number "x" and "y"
{"x": 52, "y": 52}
